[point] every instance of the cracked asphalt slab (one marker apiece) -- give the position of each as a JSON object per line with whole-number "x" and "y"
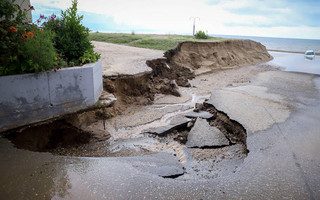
{"x": 283, "y": 159}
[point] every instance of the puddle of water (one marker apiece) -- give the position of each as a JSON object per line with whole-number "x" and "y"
{"x": 295, "y": 62}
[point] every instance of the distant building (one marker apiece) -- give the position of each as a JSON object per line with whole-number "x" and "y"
{"x": 24, "y": 4}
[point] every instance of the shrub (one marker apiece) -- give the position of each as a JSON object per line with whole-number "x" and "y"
{"x": 39, "y": 53}
{"x": 71, "y": 38}
{"x": 10, "y": 35}
{"x": 201, "y": 35}
{"x": 24, "y": 47}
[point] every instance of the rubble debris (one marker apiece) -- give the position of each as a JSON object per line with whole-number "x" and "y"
{"x": 198, "y": 107}
{"x": 201, "y": 114}
{"x": 163, "y": 131}
{"x": 204, "y": 135}
{"x": 107, "y": 99}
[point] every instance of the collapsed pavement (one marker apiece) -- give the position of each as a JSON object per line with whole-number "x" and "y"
{"x": 204, "y": 132}
{"x": 279, "y": 110}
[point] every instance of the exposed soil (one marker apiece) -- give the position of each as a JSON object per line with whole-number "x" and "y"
{"x": 204, "y": 57}
{"x": 178, "y": 67}
{"x": 93, "y": 134}
{"x": 233, "y": 130}
{"x": 47, "y": 137}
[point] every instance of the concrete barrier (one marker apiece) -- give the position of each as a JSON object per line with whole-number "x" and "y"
{"x": 29, "y": 98}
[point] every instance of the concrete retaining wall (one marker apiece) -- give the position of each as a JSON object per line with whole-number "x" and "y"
{"x": 29, "y": 98}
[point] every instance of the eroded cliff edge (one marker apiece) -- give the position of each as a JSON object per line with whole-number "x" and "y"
{"x": 202, "y": 57}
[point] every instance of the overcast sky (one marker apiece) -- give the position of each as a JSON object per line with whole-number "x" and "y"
{"x": 268, "y": 18}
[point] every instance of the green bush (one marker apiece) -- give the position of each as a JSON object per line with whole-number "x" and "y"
{"x": 39, "y": 53}
{"x": 201, "y": 35}
{"x": 10, "y": 36}
{"x": 24, "y": 48}
{"x": 71, "y": 38}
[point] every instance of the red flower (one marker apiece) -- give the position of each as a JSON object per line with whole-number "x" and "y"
{"x": 31, "y": 7}
{"x": 38, "y": 21}
{"x": 13, "y": 29}
{"x": 25, "y": 36}
{"x": 31, "y": 34}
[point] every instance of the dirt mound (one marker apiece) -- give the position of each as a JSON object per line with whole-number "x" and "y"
{"x": 201, "y": 57}
{"x": 180, "y": 65}
{"x": 138, "y": 89}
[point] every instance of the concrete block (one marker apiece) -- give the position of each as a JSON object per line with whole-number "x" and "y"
{"x": 29, "y": 98}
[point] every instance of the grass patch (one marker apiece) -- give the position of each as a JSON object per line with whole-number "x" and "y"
{"x": 114, "y": 37}
{"x": 160, "y": 42}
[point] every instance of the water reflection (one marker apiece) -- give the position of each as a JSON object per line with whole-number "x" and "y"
{"x": 34, "y": 175}
{"x": 309, "y": 58}
{"x": 61, "y": 185}
{"x": 296, "y": 62}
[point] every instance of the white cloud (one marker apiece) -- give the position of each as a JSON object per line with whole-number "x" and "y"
{"x": 172, "y": 16}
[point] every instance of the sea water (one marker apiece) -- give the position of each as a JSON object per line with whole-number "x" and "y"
{"x": 288, "y": 61}
{"x": 286, "y": 44}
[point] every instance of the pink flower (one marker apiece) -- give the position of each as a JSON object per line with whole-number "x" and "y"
{"x": 31, "y": 7}
{"x": 53, "y": 17}
{"x": 41, "y": 16}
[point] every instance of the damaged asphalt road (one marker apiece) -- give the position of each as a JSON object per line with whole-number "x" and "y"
{"x": 280, "y": 112}
{"x": 243, "y": 133}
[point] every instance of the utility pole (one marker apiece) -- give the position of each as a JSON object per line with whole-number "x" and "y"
{"x": 194, "y": 23}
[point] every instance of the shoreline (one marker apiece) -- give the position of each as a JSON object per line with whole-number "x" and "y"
{"x": 284, "y": 51}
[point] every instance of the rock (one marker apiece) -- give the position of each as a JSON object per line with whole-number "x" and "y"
{"x": 183, "y": 82}
{"x": 198, "y": 107}
{"x": 204, "y": 135}
{"x": 201, "y": 114}
{"x": 107, "y": 99}
{"x": 170, "y": 87}
{"x": 190, "y": 124}
{"x": 109, "y": 85}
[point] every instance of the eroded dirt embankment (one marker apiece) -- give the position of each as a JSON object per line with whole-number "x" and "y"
{"x": 181, "y": 64}
{"x": 178, "y": 66}
{"x": 202, "y": 57}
